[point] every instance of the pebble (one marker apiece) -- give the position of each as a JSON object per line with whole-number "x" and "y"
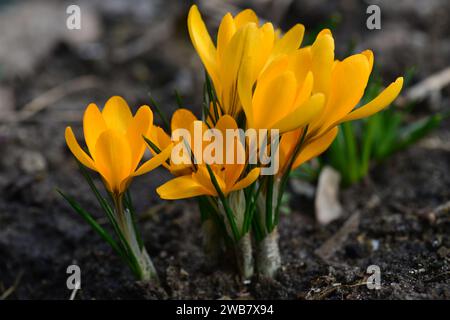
{"x": 33, "y": 162}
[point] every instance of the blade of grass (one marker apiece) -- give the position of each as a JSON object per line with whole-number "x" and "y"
{"x": 179, "y": 100}
{"x": 269, "y": 199}
{"x": 285, "y": 177}
{"x": 91, "y": 221}
{"x": 350, "y": 142}
{"x": 129, "y": 205}
{"x": 165, "y": 122}
{"x": 223, "y": 199}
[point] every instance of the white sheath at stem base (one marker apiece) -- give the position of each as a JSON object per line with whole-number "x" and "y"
{"x": 268, "y": 259}
{"x": 244, "y": 257}
{"x": 147, "y": 271}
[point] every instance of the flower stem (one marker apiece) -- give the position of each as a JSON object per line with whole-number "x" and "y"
{"x": 244, "y": 256}
{"x": 140, "y": 259}
{"x": 268, "y": 259}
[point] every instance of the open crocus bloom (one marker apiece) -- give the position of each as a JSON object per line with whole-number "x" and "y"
{"x": 282, "y": 98}
{"x": 226, "y": 173}
{"x": 343, "y": 83}
{"x": 181, "y": 119}
{"x": 239, "y": 39}
{"x": 115, "y": 143}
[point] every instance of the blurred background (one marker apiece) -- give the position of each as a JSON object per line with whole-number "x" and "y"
{"x": 138, "y": 48}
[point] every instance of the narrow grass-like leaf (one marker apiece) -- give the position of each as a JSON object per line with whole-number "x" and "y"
{"x": 417, "y": 130}
{"x": 352, "y": 153}
{"x": 179, "y": 100}
{"x": 269, "y": 199}
{"x": 223, "y": 199}
{"x": 285, "y": 177}
{"x": 165, "y": 122}
{"x": 212, "y": 97}
{"x": 128, "y": 202}
{"x": 92, "y": 222}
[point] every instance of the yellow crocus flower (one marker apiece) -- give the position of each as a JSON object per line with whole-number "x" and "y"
{"x": 239, "y": 39}
{"x": 227, "y": 175}
{"x": 181, "y": 119}
{"x": 343, "y": 84}
{"x": 283, "y": 97}
{"x": 115, "y": 143}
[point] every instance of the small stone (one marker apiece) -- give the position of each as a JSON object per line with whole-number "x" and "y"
{"x": 184, "y": 273}
{"x": 375, "y": 244}
{"x": 328, "y": 207}
{"x": 33, "y": 162}
{"x": 443, "y": 252}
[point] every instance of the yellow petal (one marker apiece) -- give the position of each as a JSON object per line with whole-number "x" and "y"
{"x": 263, "y": 49}
{"x": 77, "y": 151}
{"x": 287, "y": 145}
{"x": 93, "y": 126}
{"x": 384, "y": 99}
{"x": 248, "y": 180}
{"x": 241, "y": 47}
{"x": 290, "y": 41}
{"x": 181, "y": 188}
{"x": 369, "y": 55}
{"x": 154, "y": 162}
{"x": 117, "y": 114}
{"x": 160, "y": 138}
{"x": 202, "y": 42}
{"x": 324, "y": 32}
{"x": 182, "y": 119}
{"x": 247, "y": 79}
{"x": 140, "y": 126}
{"x": 203, "y": 177}
{"x": 231, "y": 171}
{"x": 302, "y": 115}
{"x": 349, "y": 80}
{"x": 304, "y": 92}
{"x": 315, "y": 147}
{"x": 226, "y": 31}
{"x": 113, "y": 158}
{"x": 226, "y": 122}
{"x": 300, "y": 62}
{"x": 244, "y": 17}
{"x": 322, "y": 52}
{"x": 274, "y": 99}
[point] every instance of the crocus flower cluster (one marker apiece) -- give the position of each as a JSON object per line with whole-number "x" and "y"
{"x": 259, "y": 79}
{"x": 274, "y": 83}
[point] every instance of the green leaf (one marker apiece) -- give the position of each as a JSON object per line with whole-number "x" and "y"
{"x": 128, "y": 202}
{"x": 417, "y": 130}
{"x": 223, "y": 199}
{"x": 165, "y": 122}
{"x": 352, "y": 151}
{"x": 251, "y": 206}
{"x": 179, "y": 100}
{"x": 269, "y": 199}
{"x": 212, "y": 97}
{"x": 285, "y": 177}
{"x": 92, "y": 222}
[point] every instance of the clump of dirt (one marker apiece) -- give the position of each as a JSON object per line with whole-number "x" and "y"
{"x": 39, "y": 239}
